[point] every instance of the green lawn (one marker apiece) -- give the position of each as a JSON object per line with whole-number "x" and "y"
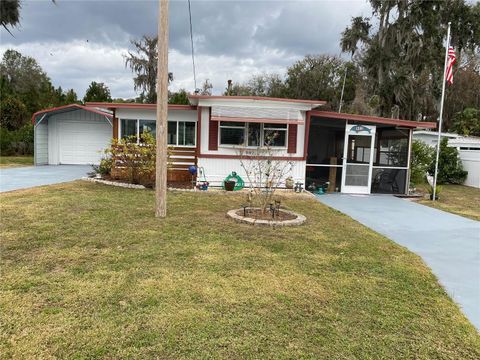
{"x": 15, "y": 161}
{"x": 457, "y": 199}
{"x": 88, "y": 272}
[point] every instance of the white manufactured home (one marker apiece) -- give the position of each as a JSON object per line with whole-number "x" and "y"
{"x": 354, "y": 153}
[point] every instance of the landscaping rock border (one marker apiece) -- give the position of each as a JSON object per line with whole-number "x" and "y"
{"x": 114, "y": 183}
{"x": 299, "y": 220}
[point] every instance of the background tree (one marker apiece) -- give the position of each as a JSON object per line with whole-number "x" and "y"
{"x": 71, "y": 97}
{"x": 269, "y": 85}
{"x": 97, "y": 92}
{"x": 321, "y": 77}
{"x": 207, "y": 88}
{"x": 180, "y": 98}
{"x": 13, "y": 113}
{"x": 467, "y": 122}
{"x": 403, "y": 57}
{"x": 465, "y": 91}
{"x": 143, "y": 64}
{"x": 23, "y": 78}
{"x": 9, "y": 13}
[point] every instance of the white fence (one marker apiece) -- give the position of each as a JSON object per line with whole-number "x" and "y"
{"x": 471, "y": 163}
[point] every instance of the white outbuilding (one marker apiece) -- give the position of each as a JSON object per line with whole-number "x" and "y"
{"x": 71, "y": 134}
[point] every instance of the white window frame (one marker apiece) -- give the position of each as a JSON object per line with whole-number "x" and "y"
{"x": 177, "y": 132}
{"x": 245, "y": 135}
{"x": 175, "y": 121}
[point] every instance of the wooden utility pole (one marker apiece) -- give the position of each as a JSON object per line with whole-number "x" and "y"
{"x": 162, "y": 112}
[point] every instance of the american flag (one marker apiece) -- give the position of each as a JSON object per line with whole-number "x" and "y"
{"x": 451, "y": 60}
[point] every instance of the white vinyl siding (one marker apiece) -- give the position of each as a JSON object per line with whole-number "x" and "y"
{"x": 41, "y": 143}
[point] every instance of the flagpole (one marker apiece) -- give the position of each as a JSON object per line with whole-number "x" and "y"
{"x": 439, "y": 138}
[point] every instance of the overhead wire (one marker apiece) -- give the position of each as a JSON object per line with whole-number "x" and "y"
{"x": 193, "y": 49}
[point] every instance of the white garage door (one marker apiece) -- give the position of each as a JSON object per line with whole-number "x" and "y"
{"x": 82, "y": 142}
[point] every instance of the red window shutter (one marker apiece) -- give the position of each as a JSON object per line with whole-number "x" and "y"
{"x": 292, "y": 138}
{"x": 213, "y": 135}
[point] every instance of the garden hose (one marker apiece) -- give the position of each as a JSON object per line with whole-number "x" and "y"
{"x": 239, "y": 183}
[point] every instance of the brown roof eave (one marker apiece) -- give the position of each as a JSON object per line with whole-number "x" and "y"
{"x": 374, "y": 119}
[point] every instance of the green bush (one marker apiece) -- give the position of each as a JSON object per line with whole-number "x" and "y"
{"x": 105, "y": 166}
{"x": 16, "y": 142}
{"x": 450, "y": 168}
{"x": 422, "y": 158}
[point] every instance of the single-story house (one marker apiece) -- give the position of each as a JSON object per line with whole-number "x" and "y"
{"x": 468, "y": 149}
{"x": 354, "y": 153}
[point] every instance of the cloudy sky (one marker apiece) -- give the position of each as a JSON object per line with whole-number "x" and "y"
{"x": 77, "y": 42}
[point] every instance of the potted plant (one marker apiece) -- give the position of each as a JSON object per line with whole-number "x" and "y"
{"x": 229, "y": 185}
{"x": 289, "y": 182}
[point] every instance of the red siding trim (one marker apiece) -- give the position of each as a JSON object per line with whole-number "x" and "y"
{"x": 137, "y": 106}
{"x": 261, "y": 98}
{"x": 199, "y": 129}
{"x": 256, "y": 120}
{"x": 115, "y": 126}
{"x": 307, "y": 134}
{"x": 374, "y": 119}
{"x": 69, "y": 106}
{"x": 212, "y": 133}
{"x": 292, "y": 138}
{"x": 220, "y": 156}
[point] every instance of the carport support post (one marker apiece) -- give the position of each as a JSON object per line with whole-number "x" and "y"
{"x": 162, "y": 112}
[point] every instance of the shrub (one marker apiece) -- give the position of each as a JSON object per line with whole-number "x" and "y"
{"x": 450, "y": 168}
{"x": 131, "y": 161}
{"x": 105, "y": 166}
{"x": 422, "y": 158}
{"x": 16, "y": 142}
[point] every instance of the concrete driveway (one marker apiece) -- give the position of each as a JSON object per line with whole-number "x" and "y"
{"x": 449, "y": 244}
{"x": 27, "y": 177}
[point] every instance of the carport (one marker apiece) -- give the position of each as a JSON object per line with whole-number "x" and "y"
{"x": 71, "y": 134}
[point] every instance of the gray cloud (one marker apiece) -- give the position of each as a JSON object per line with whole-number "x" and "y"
{"x": 80, "y": 41}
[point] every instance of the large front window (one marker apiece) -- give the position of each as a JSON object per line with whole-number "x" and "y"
{"x": 179, "y": 133}
{"x": 253, "y": 134}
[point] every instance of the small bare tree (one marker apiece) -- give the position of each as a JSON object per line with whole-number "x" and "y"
{"x": 264, "y": 170}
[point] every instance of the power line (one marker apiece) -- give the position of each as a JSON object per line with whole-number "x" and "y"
{"x": 193, "y": 51}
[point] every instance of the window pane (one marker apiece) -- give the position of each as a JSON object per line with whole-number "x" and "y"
{"x": 232, "y": 123}
{"x": 172, "y": 133}
{"x": 148, "y": 126}
{"x": 186, "y": 133}
{"x": 128, "y": 128}
{"x": 254, "y": 134}
{"x": 359, "y": 149}
{"x": 275, "y": 137}
{"x": 274, "y": 126}
{"x": 231, "y": 136}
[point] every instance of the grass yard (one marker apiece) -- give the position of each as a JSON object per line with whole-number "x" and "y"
{"x": 457, "y": 199}
{"x": 15, "y": 161}
{"x": 87, "y": 273}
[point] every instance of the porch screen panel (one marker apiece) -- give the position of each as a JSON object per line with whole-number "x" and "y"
{"x": 390, "y": 162}
{"x": 356, "y": 175}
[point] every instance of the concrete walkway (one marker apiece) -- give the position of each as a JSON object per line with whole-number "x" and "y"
{"x": 449, "y": 244}
{"x": 30, "y": 176}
